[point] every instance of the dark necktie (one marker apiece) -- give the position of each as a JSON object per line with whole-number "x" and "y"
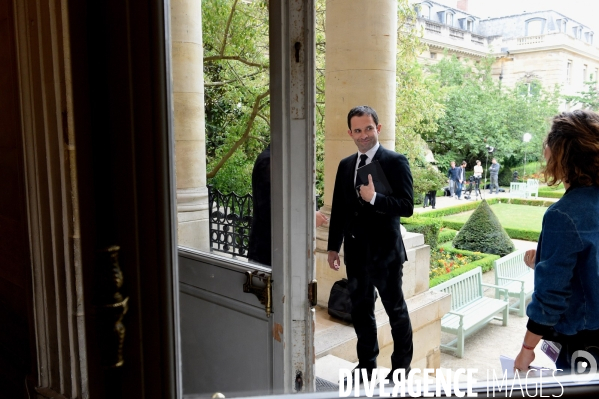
{"x": 363, "y": 159}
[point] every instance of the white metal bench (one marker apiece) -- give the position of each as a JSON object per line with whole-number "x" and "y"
{"x": 470, "y": 309}
{"x": 512, "y": 274}
{"x": 532, "y": 188}
{"x": 525, "y": 190}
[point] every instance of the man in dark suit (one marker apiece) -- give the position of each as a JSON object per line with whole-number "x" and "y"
{"x": 259, "y": 250}
{"x": 368, "y": 223}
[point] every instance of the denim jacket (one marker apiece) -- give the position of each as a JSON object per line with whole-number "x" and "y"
{"x": 566, "y": 294}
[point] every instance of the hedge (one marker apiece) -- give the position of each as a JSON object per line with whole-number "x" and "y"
{"x": 550, "y": 194}
{"x": 521, "y": 201}
{"x": 426, "y": 226}
{"x": 485, "y": 263}
{"x": 446, "y": 235}
{"x": 451, "y": 210}
{"x": 515, "y": 234}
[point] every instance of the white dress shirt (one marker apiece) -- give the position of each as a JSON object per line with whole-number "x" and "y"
{"x": 370, "y": 153}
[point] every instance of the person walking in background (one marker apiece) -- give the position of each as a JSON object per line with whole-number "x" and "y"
{"x": 453, "y": 180}
{"x": 565, "y": 301}
{"x": 367, "y": 223}
{"x": 494, "y": 174}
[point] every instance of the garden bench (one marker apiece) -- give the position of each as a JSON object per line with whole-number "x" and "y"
{"x": 470, "y": 309}
{"x": 512, "y": 274}
{"x": 525, "y": 190}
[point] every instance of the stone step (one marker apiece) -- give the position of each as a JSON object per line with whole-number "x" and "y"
{"x": 338, "y": 338}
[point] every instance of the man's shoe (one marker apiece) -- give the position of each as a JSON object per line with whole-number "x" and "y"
{"x": 368, "y": 374}
{"x": 433, "y": 207}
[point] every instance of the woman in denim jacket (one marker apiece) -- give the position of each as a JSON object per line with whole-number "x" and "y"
{"x": 565, "y": 302}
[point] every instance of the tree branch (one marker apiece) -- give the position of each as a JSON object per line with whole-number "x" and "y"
{"x": 227, "y": 27}
{"x": 264, "y": 118}
{"x": 243, "y": 137}
{"x": 207, "y": 84}
{"x": 258, "y": 138}
{"x": 235, "y": 58}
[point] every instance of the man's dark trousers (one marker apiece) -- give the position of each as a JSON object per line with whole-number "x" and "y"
{"x": 374, "y": 253}
{"x": 362, "y": 281}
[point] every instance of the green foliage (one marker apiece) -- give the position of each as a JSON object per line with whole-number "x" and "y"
{"x": 427, "y": 178}
{"x": 417, "y": 107}
{"x": 483, "y": 233}
{"x": 504, "y": 178}
{"x": 236, "y": 82}
{"x": 446, "y": 235}
{"x": 588, "y": 98}
{"x": 427, "y": 227}
{"x": 479, "y": 112}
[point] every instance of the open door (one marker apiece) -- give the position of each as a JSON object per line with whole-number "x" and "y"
{"x": 246, "y": 328}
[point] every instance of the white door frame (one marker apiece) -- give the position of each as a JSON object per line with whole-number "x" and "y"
{"x": 293, "y": 132}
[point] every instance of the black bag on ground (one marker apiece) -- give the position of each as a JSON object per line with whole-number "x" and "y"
{"x": 339, "y": 301}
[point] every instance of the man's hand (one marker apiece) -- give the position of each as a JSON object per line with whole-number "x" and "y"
{"x": 367, "y": 192}
{"x": 334, "y": 260}
{"x": 320, "y": 219}
{"x": 529, "y": 258}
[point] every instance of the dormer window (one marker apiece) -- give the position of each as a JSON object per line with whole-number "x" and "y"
{"x": 466, "y": 23}
{"x": 561, "y": 25}
{"x": 425, "y": 10}
{"x": 588, "y": 37}
{"x": 577, "y": 32}
{"x": 449, "y": 18}
{"x": 535, "y": 26}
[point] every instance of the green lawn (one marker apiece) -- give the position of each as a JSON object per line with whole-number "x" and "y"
{"x": 512, "y": 216}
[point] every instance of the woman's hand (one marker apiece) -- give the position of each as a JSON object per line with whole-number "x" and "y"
{"x": 524, "y": 359}
{"x": 529, "y": 258}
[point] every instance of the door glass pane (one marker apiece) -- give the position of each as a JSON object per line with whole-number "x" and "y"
{"x": 224, "y": 157}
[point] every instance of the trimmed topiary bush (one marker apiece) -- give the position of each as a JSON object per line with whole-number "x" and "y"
{"x": 483, "y": 233}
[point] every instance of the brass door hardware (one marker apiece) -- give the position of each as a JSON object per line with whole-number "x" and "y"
{"x": 313, "y": 293}
{"x": 111, "y": 307}
{"x": 264, "y": 294}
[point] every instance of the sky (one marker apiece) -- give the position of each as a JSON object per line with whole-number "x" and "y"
{"x": 583, "y": 11}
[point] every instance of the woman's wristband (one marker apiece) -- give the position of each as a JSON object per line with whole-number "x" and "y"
{"x": 530, "y": 348}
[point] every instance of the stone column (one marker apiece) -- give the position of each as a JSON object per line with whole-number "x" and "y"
{"x": 190, "y": 143}
{"x": 360, "y": 70}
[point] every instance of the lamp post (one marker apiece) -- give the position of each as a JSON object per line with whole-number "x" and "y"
{"x": 525, "y": 139}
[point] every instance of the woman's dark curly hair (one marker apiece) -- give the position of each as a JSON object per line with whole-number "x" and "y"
{"x": 574, "y": 144}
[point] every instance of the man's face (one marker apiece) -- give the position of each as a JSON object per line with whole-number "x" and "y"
{"x": 364, "y": 132}
{"x": 453, "y": 164}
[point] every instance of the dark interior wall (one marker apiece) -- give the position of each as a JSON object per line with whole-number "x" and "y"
{"x": 15, "y": 276}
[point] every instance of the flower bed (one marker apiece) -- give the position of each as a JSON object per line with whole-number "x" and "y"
{"x": 444, "y": 261}
{"x": 468, "y": 261}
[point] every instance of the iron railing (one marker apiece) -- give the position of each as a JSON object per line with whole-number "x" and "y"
{"x": 230, "y": 222}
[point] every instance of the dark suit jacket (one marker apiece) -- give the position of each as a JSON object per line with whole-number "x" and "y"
{"x": 371, "y": 232}
{"x": 260, "y": 236}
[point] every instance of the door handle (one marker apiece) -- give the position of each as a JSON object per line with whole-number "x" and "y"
{"x": 264, "y": 294}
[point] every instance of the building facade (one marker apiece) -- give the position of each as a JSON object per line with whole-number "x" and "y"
{"x": 543, "y": 46}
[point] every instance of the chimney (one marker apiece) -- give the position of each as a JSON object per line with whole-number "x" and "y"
{"x": 463, "y": 5}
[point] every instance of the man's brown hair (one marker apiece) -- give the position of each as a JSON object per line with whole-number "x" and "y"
{"x": 574, "y": 144}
